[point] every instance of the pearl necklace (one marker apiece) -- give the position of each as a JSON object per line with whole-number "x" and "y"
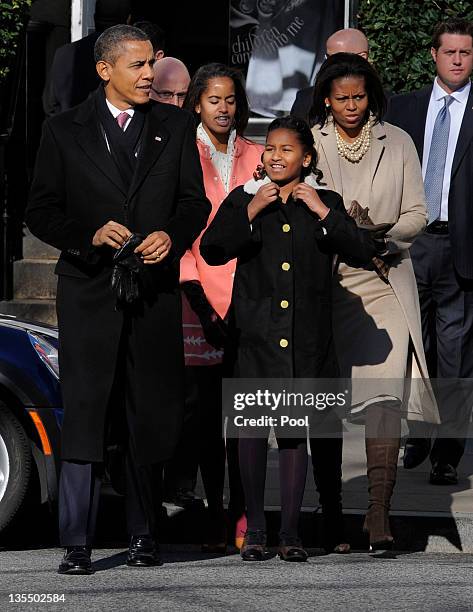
{"x": 354, "y": 151}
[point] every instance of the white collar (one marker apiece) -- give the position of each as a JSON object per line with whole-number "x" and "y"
{"x": 460, "y": 95}
{"x": 205, "y": 139}
{"x": 116, "y": 111}
{"x": 252, "y": 186}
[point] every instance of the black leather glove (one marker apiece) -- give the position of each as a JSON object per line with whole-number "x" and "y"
{"x": 127, "y": 269}
{"x": 377, "y": 234}
{"x": 214, "y": 327}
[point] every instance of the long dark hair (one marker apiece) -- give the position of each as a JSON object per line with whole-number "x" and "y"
{"x": 342, "y": 65}
{"x": 305, "y": 138}
{"x": 200, "y": 82}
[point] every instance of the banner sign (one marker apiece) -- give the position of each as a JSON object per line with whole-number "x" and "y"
{"x": 279, "y": 45}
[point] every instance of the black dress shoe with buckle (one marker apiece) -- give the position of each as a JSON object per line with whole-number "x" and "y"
{"x": 76, "y": 561}
{"x": 290, "y": 549}
{"x": 254, "y": 546}
{"x": 416, "y": 451}
{"x": 143, "y": 552}
{"x": 443, "y": 474}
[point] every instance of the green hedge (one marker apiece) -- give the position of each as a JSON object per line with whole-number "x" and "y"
{"x": 399, "y": 32}
{"x": 12, "y": 17}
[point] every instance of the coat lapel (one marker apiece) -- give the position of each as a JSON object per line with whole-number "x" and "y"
{"x": 419, "y": 117}
{"x": 91, "y": 139}
{"x": 155, "y": 138}
{"x": 329, "y": 146}
{"x": 378, "y": 139}
{"x": 466, "y": 134}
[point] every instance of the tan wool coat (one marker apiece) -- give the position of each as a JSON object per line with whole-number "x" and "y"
{"x": 396, "y": 195}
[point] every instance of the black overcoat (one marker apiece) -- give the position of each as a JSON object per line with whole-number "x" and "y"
{"x": 281, "y": 302}
{"x": 77, "y": 188}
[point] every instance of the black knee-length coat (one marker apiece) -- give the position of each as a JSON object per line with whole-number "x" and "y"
{"x": 77, "y": 188}
{"x": 281, "y": 302}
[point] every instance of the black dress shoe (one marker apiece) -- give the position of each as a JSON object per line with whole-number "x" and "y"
{"x": 443, "y": 474}
{"x": 416, "y": 451}
{"x": 76, "y": 561}
{"x": 185, "y": 498}
{"x": 143, "y": 552}
{"x": 290, "y": 549}
{"x": 254, "y": 546}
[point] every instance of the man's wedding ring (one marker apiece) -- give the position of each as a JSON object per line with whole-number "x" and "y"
{"x": 158, "y": 256}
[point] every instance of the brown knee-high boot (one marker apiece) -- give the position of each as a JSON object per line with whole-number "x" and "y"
{"x": 382, "y": 456}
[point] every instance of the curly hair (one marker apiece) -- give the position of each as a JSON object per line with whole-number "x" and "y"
{"x": 305, "y": 138}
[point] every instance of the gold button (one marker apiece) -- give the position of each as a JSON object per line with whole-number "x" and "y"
{"x": 284, "y": 304}
{"x": 283, "y": 343}
{"x": 286, "y": 266}
{"x": 286, "y": 228}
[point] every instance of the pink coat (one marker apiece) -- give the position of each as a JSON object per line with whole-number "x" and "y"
{"x": 217, "y": 281}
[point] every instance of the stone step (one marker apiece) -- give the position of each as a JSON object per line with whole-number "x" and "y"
{"x": 33, "y": 248}
{"x": 34, "y": 279}
{"x": 40, "y": 311}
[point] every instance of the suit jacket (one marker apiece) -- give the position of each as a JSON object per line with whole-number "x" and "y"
{"x": 303, "y": 103}
{"x": 396, "y": 196}
{"x": 72, "y": 76}
{"x": 409, "y": 111}
{"x": 77, "y": 188}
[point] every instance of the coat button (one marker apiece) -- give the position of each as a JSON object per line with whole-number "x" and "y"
{"x": 286, "y": 228}
{"x": 286, "y": 266}
{"x": 284, "y": 304}
{"x": 283, "y": 343}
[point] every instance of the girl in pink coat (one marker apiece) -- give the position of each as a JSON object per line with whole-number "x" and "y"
{"x": 217, "y": 98}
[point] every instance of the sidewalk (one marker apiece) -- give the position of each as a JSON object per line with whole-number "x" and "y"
{"x": 425, "y": 517}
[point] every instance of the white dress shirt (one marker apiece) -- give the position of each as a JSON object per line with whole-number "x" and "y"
{"x": 457, "y": 109}
{"x": 223, "y": 162}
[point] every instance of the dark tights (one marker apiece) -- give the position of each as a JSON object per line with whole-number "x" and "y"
{"x": 253, "y": 454}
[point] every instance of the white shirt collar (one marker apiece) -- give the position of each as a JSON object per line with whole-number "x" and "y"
{"x": 116, "y": 111}
{"x": 460, "y": 95}
{"x": 205, "y": 139}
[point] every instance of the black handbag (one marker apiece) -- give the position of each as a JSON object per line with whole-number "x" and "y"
{"x": 127, "y": 270}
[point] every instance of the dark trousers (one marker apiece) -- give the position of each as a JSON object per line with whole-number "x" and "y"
{"x": 180, "y": 472}
{"x": 79, "y": 492}
{"x": 212, "y": 450}
{"x": 79, "y": 484}
{"x": 446, "y": 303}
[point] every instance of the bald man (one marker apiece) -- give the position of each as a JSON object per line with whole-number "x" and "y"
{"x": 171, "y": 81}
{"x": 348, "y": 40}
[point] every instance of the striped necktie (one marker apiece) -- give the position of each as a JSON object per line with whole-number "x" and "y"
{"x": 122, "y": 118}
{"x": 433, "y": 181}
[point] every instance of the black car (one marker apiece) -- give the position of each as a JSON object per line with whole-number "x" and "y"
{"x": 30, "y": 414}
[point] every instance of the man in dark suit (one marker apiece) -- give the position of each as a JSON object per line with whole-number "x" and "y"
{"x": 348, "y": 40}
{"x": 114, "y": 165}
{"x": 73, "y": 75}
{"x": 439, "y": 119}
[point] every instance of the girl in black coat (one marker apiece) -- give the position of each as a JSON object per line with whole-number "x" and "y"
{"x": 284, "y": 229}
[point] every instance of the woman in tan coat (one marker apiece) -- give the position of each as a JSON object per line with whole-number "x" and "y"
{"x": 376, "y": 317}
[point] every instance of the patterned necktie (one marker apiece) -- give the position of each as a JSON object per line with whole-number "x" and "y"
{"x": 122, "y": 118}
{"x": 433, "y": 181}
